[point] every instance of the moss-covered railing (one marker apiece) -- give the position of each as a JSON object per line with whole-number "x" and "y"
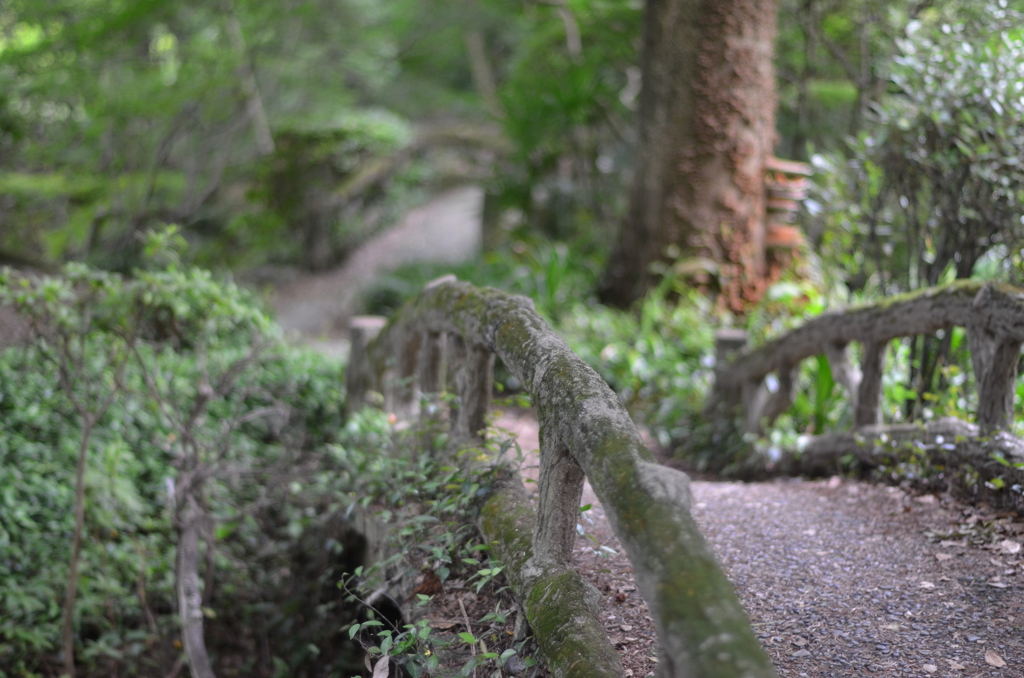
{"x": 992, "y": 313}
{"x": 702, "y": 629}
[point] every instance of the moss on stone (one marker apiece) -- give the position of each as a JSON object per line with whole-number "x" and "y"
{"x": 562, "y": 609}
{"x": 507, "y": 520}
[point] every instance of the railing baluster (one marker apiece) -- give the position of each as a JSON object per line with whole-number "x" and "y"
{"x": 473, "y": 374}
{"x": 431, "y": 373}
{"x": 994, "y": 359}
{"x": 561, "y": 487}
{"x": 400, "y": 386}
{"x": 843, "y": 371}
{"x": 727, "y": 402}
{"x": 360, "y": 377}
{"x": 868, "y": 407}
{"x": 782, "y": 399}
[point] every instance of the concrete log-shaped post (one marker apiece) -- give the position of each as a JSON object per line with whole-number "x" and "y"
{"x": 454, "y": 360}
{"x": 762, "y": 404}
{"x": 560, "y": 487}
{"x": 360, "y": 375}
{"x": 727, "y": 398}
{"x": 994, "y": 360}
{"x": 868, "y": 410}
{"x": 843, "y": 371}
{"x": 755, "y": 397}
{"x": 431, "y": 363}
{"x": 400, "y": 388}
{"x": 473, "y": 373}
{"x": 782, "y": 399}
{"x": 561, "y": 608}
{"x": 431, "y": 371}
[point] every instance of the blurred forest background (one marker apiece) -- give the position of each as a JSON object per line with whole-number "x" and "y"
{"x": 287, "y": 134}
{"x": 280, "y": 136}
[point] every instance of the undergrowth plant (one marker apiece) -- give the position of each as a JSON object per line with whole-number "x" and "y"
{"x": 430, "y": 513}
{"x": 196, "y": 404}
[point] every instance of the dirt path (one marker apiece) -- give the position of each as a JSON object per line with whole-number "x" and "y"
{"x": 839, "y": 578}
{"x": 446, "y": 230}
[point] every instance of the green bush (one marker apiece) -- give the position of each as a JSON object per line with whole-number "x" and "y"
{"x": 176, "y": 390}
{"x": 126, "y": 582}
{"x": 555, "y": 275}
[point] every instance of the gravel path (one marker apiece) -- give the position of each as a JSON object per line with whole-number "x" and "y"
{"x": 840, "y": 578}
{"x": 847, "y": 579}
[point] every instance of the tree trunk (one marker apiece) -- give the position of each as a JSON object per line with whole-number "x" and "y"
{"x": 67, "y": 633}
{"x": 707, "y": 125}
{"x": 190, "y": 598}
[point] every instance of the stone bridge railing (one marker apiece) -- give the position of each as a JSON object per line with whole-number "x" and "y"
{"x": 993, "y": 314}
{"x": 973, "y": 458}
{"x": 702, "y": 629}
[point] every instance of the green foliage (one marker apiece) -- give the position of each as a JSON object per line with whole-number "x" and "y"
{"x": 569, "y": 114}
{"x": 932, "y": 188}
{"x": 117, "y": 117}
{"x": 658, "y": 359}
{"x": 127, "y": 569}
{"x": 555, "y": 275}
{"x": 431, "y": 499}
{"x": 209, "y": 386}
{"x": 935, "y": 182}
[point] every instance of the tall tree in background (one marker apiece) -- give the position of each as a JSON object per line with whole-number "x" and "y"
{"x": 707, "y": 125}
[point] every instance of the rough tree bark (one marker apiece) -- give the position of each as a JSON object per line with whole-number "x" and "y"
{"x": 707, "y": 125}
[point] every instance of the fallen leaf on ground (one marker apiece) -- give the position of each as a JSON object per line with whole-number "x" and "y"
{"x": 930, "y": 668}
{"x": 926, "y": 585}
{"x": 430, "y": 586}
{"x": 834, "y": 482}
{"x": 891, "y": 627}
{"x": 956, "y": 666}
{"x": 1009, "y": 547}
{"x": 944, "y": 556}
{"x": 992, "y": 659}
{"x": 949, "y": 543}
{"x": 927, "y": 499}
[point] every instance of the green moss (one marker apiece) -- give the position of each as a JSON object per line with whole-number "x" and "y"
{"x": 560, "y": 608}
{"x": 955, "y": 288}
{"x": 507, "y": 520}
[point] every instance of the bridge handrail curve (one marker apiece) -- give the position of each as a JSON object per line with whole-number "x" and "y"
{"x": 992, "y": 313}
{"x": 702, "y": 629}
